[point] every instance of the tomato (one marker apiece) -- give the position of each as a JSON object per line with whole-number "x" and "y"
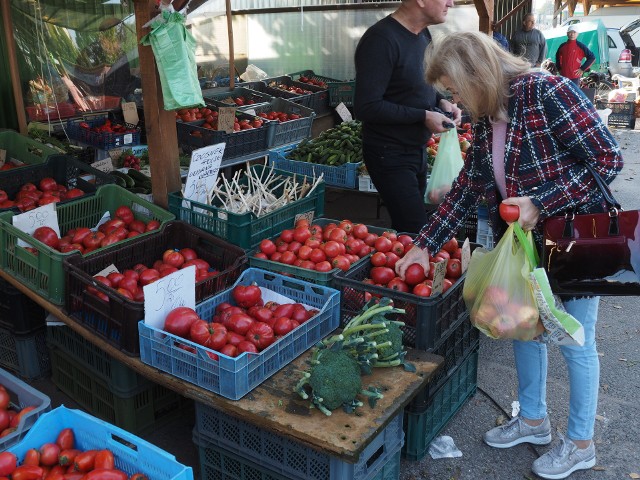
{"x": 338, "y": 235}
{"x": 84, "y": 462}
{"x": 422, "y": 290}
{"x": 246, "y": 296}
{"x": 104, "y": 460}
{"x": 57, "y": 472}
{"x": 5, "y": 419}
{"x": 234, "y": 339}
{"x": 382, "y": 244}
{"x": 49, "y": 454}
{"x": 288, "y": 258}
{"x": 392, "y": 259}
{"x": 230, "y": 350}
{"x": 267, "y": 247}
{"x": 179, "y": 320}
{"x": 137, "y": 226}
{"x": 282, "y": 326}
{"x": 347, "y": 226}
{"x": 246, "y": 346}
{"x": 27, "y": 472}
{"x": 125, "y": 214}
{"x": 398, "y": 284}
{"x": 211, "y": 335}
{"x": 32, "y": 457}
{"x": 454, "y": 268}
{"x": 106, "y": 474}
{"x": 414, "y": 274}
{"x": 152, "y": 225}
{"x": 378, "y": 259}
{"x": 93, "y": 240}
{"x": 261, "y": 335}
{"x": 138, "y": 476}
{"x": 239, "y": 323}
{"x": 66, "y": 439}
{"x": 382, "y": 275}
{"x": 509, "y": 213}
{"x": 300, "y": 314}
{"x": 79, "y": 234}
{"x": 15, "y": 421}
{"x": 318, "y": 255}
{"x": 148, "y": 276}
{"x": 446, "y": 285}
{"x": 451, "y": 246}
{"x": 284, "y": 310}
{"x": 301, "y": 234}
{"x": 47, "y": 235}
{"x": 323, "y": 266}
{"x": 4, "y": 400}
{"x": 68, "y": 456}
{"x": 74, "y": 193}
{"x": 7, "y": 431}
{"x": 173, "y": 258}
{"x": 263, "y": 314}
{"x": 341, "y": 262}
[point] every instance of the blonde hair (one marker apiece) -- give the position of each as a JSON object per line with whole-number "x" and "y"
{"x": 479, "y": 69}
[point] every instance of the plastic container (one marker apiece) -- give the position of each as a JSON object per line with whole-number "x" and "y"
{"x": 345, "y": 176}
{"x": 117, "y": 320}
{"x": 191, "y": 136}
{"x": 428, "y": 320}
{"x": 246, "y": 230}
{"x": 140, "y": 410}
{"x": 132, "y": 454}
{"x": 102, "y": 140}
{"x": 622, "y": 113}
{"x": 22, "y": 395}
{"x": 317, "y": 100}
{"x": 43, "y": 113}
{"x": 313, "y": 276}
{"x": 24, "y": 149}
{"x": 422, "y": 427}
{"x": 226, "y": 99}
{"x": 311, "y": 75}
{"x": 292, "y": 130}
{"x": 290, "y": 458}
{"x": 25, "y": 355}
{"x": 43, "y": 273}
{"x": 19, "y": 314}
{"x": 342, "y": 92}
{"x": 235, "y": 377}
{"x": 65, "y": 169}
{"x": 365, "y": 184}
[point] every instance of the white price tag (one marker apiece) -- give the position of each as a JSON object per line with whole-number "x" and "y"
{"x": 466, "y": 255}
{"x": 439, "y": 273}
{"x": 30, "y": 221}
{"x": 128, "y": 138}
{"x": 105, "y": 165}
{"x": 177, "y": 289}
{"x": 130, "y": 112}
{"x": 105, "y": 218}
{"x": 344, "y": 112}
{"x": 107, "y": 270}
{"x": 203, "y": 172}
{"x": 251, "y": 111}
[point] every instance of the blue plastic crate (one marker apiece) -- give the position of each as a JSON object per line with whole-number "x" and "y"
{"x": 345, "y": 176}
{"x": 234, "y": 377}
{"x": 283, "y": 133}
{"x": 292, "y": 459}
{"x": 22, "y": 395}
{"x": 132, "y": 454}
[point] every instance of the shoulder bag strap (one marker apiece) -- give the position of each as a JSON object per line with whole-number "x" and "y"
{"x": 603, "y": 187}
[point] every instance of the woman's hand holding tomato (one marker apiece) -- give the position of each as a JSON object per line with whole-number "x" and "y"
{"x": 414, "y": 255}
{"x": 527, "y": 216}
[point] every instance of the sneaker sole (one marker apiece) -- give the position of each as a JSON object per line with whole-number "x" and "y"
{"x": 584, "y": 465}
{"x": 534, "y": 439}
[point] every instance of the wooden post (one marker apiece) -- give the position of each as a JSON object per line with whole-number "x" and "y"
{"x": 232, "y": 64}
{"x": 485, "y": 14}
{"x": 160, "y": 124}
{"x": 14, "y": 72}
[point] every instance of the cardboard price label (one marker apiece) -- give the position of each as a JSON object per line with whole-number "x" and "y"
{"x": 439, "y": 273}
{"x": 466, "y": 255}
{"x": 130, "y": 113}
{"x": 105, "y": 165}
{"x": 29, "y": 222}
{"x": 177, "y": 289}
{"x": 226, "y": 118}
{"x": 344, "y": 112}
{"x": 308, "y": 216}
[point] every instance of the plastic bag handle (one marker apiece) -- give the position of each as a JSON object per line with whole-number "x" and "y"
{"x": 526, "y": 241}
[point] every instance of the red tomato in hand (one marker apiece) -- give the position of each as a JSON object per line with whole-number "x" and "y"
{"x": 509, "y": 213}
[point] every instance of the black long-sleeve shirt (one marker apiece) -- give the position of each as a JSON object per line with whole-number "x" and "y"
{"x": 391, "y": 94}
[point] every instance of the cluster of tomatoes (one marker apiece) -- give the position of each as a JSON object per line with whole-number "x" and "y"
{"x": 10, "y": 418}
{"x": 314, "y": 247}
{"x": 290, "y": 88}
{"x": 62, "y": 460}
{"x": 194, "y": 114}
{"x": 130, "y": 282}
{"x": 389, "y": 250}
{"x": 312, "y": 81}
{"x": 83, "y": 239}
{"x": 9, "y": 164}
{"x": 251, "y": 325}
{"x": 242, "y": 101}
{"x": 108, "y": 127}
{"x": 131, "y": 161}
{"x": 31, "y": 196}
{"x": 279, "y": 116}
{"x": 464, "y": 139}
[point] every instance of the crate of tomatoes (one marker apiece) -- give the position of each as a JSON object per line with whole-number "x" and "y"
{"x": 249, "y": 134}
{"x": 312, "y": 96}
{"x": 20, "y": 407}
{"x": 36, "y": 259}
{"x": 316, "y": 252}
{"x": 111, "y": 304}
{"x": 60, "y": 179}
{"x": 103, "y": 133}
{"x": 428, "y": 317}
{"x": 235, "y": 340}
{"x": 289, "y": 122}
{"x": 64, "y": 438}
{"x": 243, "y": 98}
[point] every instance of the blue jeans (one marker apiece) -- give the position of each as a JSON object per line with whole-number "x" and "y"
{"x": 584, "y": 372}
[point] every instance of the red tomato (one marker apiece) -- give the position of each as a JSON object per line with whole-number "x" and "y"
{"x": 267, "y": 247}
{"x": 338, "y": 235}
{"x": 246, "y": 346}
{"x": 115, "y": 278}
{"x": 300, "y": 314}
{"x": 392, "y": 259}
{"x": 214, "y": 334}
{"x": 286, "y": 235}
{"x": 284, "y": 310}
{"x": 15, "y": 421}
{"x": 318, "y": 255}
{"x": 125, "y": 214}
{"x": 324, "y": 266}
{"x": 173, "y": 258}
{"x": 454, "y": 268}
{"x": 451, "y": 246}
{"x": 188, "y": 254}
{"x": 378, "y": 259}
{"x": 93, "y": 240}
{"x": 68, "y": 456}
{"x": 414, "y": 274}
{"x": 5, "y": 419}
{"x": 104, "y": 460}
{"x": 152, "y": 225}
{"x": 341, "y": 262}
{"x": 179, "y": 320}
{"x": 382, "y": 275}
{"x": 261, "y": 335}
{"x": 382, "y": 244}
{"x": 47, "y": 184}
{"x": 509, "y": 213}
{"x": 263, "y": 314}
{"x": 398, "y": 284}
{"x": 5, "y": 400}
{"x": 234, "y": 339}
{"x": 246, "y": 296}
{"x": 47, "y": 235}
{"x": 49, "y": 454}
{"x": 105, "y": 474}
{"x": 27, "y": 472}
{"x": 32, "y": 457}
{"x": 422, "y": 290}
{"x": 282, "y": 326}
{"x": 137, "y": 226}
{"x": 301, "y": 234}
{"x": 148, "y": 276}
{"x": 239, "y": 323}
{"x": 74, "y": 193}
{"x": 230, "y": 350}
{"x": 84, "y": 462}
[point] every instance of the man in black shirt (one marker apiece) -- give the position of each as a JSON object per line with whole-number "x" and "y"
{"x": 398, "y": 109}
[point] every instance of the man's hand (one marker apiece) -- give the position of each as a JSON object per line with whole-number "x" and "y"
{"x": 447, "y": 106}
{"x": 578, "y": 72}
{"x": 415, "y": 255}
{"x": 435, "y": 121}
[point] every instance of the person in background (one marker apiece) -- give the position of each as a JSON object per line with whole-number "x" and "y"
{"x": 532, "y": 134}
{"x": 529, "y": 42}
{"x": 398, "y": 109}
{"x": 570, "y": 56}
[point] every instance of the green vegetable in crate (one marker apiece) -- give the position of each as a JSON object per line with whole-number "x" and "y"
{"x": 334, "y": 147}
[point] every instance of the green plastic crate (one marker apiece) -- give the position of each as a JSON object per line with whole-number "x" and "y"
{"x": 421, "y": 428}
{"x": 146, "y": 407}
{"x": 24, "y": 149}
{"x": 43, "y": 273}
{"x": 246, "y": 230}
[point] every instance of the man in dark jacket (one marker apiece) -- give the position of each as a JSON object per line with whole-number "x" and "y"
{"x": 570, "y": 55}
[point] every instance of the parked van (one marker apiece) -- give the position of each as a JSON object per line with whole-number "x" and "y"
{"x": 612, "y": 17}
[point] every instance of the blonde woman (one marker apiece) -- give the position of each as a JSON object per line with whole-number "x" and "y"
{"x": 532, "y": 133}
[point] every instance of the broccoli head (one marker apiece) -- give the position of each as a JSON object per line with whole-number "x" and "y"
{"x": 390, "y": 343}
{"x": 336, "y": 378}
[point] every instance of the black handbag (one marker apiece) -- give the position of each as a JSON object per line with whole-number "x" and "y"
{"x": 596, "y": 253}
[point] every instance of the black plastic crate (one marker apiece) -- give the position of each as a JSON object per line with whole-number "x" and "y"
{"x": 228, "y": 98}
{"x": 25, "y": 355}
{"x": 18, "y": 313}
{"x": 622, "y": 113}
{"x": 102, "y": 140}
{"x": 317, "y": 100}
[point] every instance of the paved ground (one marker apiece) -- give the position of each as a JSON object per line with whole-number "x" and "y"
{"x": 618, "y": 423}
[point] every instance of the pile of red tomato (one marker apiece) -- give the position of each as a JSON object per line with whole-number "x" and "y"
{"x": 10, "y": 418}
{"x": 389, "y": 250}
{"x": 314, "y": 247}
{"x": 130, "y": 282}
{"x": 290, "y": 88}
{"x": 108, "y": 127}
{"x": 31, "y": 196}
{"x": 311, "y": 81}
{"x": 464, "y": 139}
{"x": 279, "y": 116}
{"x": 61, "y": 460}
{"x": 83, "y": 239}
{"x": 251, "y": 325}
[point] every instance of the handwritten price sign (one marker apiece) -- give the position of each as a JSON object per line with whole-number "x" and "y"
{"x": 30, "y": 221}
{"x": 203, "y": 172}
{"x": 175, "y": 290}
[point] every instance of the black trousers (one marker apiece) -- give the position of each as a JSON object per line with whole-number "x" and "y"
{"x": 400, "y": 176}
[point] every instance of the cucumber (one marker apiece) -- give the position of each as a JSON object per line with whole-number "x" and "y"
{"x": 137, "y": 176}
{"x": 119, "y": 181}
{"x": 127, "y": 179}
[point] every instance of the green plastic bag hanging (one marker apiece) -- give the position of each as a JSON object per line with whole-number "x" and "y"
{"x": 446, "y": 167}
{"x": 174, "y": 50}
